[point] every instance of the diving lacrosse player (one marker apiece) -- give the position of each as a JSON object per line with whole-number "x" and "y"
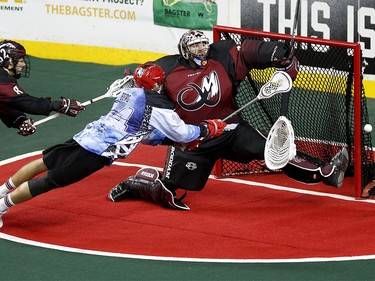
{"x": 202, "y": 82}
{"x": 139, "y": 115}
{"x": 15, "y": 102}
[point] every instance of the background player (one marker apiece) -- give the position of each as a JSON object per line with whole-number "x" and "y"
{"x": 14, "y": 101}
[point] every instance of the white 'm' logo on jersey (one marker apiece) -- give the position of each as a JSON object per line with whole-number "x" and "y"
{"x": 194, "y": 97}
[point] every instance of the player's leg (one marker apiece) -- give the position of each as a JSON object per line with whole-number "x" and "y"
{"x": 245, "y": 145}
{"x": 66, "y": 163}
{"x": 24, "y": 174}
{"x": 309, "y": 169}
{"x": 249, "y": 144}
{"x": 188, "y": 170}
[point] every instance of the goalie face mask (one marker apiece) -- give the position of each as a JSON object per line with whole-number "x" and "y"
{"x": 13, "y": 53}
{"x": 149, "y": 76}
{"x": 194, "y": 46}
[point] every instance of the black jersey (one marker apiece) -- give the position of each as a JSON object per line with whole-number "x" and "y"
{"x": 15, "y": 102}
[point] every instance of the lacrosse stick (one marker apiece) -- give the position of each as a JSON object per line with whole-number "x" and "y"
{"x": 280, "y": 147}
{"x": 280, "y": 82}
{"x": 294, "y": 30}
{"x": 113, "y": 91}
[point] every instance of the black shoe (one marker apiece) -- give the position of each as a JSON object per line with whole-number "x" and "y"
{"x": 120, "y": 192}
{"x": 340, "y": 163}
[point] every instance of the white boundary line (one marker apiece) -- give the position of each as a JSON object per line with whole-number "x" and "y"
{"x": 160, "y": 258}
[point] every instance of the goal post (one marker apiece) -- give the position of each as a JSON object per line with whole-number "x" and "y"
{"x": 328, "y": 107}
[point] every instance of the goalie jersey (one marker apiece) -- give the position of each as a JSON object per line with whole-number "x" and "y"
{"x": 137, "y": 116}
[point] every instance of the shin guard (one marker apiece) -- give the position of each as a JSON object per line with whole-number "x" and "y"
{"x": 146, "y": 185}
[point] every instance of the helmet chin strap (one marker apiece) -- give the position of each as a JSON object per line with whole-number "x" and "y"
{"x": 201, "y": 62}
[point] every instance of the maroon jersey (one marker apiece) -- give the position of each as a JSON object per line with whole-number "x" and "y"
{"x": 208, "y": 93}
{"x": 15, "y": 102}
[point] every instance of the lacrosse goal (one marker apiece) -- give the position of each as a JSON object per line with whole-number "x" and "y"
{"x": 327, "y": 104}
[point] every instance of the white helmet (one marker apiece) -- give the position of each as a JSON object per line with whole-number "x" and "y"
{"x": 194, "y": 46}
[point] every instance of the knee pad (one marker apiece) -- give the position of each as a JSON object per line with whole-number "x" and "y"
{"x": 40, "y": 185}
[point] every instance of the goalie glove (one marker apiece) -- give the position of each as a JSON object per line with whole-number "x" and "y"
{"x": 289, "y": 65}
{"x": 70, "y": 107}
{"x": 27, "y": 128}
{"x": 212, "y": 128}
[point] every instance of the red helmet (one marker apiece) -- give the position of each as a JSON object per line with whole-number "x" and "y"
{"x": 149, "y": 76}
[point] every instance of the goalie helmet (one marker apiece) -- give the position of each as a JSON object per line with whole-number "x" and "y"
{"x": 149, "y": 76}
{"x": 11, "y": 50}
{"x": 194, "y": 46}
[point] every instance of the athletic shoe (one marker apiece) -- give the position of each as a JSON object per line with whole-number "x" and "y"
{"x": 340, "y": 163}
{"x": 1, "y": 220}
{"x": 119, "y": 192}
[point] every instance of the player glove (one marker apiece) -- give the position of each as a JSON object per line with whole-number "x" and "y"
{"x": 27, "y": 128}
{"x": 212, "y": 128}
{"x": 209, "y": 129}
{"x": 289, "y": 65}
{"x": 70, "y": 107}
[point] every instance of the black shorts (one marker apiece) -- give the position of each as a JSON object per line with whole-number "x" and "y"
{"x": 190, "y": 169}
{"x": 68, "y": 163}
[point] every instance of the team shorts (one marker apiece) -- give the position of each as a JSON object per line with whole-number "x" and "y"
{"x": 68, "y": 163}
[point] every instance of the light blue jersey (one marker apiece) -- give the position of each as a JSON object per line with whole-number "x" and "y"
{"x": 132, "y": 120}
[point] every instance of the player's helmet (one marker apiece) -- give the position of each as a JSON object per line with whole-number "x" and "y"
{"x": 194, "y": 46}
{"x": 12, "y": 50}
{"x": 149, "y": 76}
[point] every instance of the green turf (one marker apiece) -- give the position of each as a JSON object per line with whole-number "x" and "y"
{"x": 24, "y": 262}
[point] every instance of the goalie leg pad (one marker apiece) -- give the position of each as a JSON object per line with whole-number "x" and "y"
{"x": 146, "y": 185}
{"x": 303, "y": 170}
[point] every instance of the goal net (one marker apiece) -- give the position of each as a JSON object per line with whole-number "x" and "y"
{"x": 327, "y": 104}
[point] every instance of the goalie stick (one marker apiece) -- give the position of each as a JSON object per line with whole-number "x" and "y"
{"x": 112, "y": 92}
{"x": 280, "y": 82}
{"x": 280, "y": 147}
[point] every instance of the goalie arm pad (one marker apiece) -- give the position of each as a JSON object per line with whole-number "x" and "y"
{"x": 259, "y": 54}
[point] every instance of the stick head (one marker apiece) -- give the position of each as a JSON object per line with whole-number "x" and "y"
{"x": 280, "y": 82}
{"x": 115, "y": 88}
{"x": 280, "y": 147}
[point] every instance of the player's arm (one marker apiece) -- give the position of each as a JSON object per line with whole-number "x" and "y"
{"x": 21, "y": 122}
{"x": 174, "y": 128}
{"x": 44, "y": 106}
{"x": 261, "y": 55}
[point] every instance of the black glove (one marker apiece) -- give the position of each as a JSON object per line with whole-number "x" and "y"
{"x": 70, "y": 107}
{"x": 290, "y": 66}
{"x": 27, "y": 128}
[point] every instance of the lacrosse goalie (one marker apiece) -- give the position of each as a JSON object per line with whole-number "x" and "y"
{"x": 202, "y": 82}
